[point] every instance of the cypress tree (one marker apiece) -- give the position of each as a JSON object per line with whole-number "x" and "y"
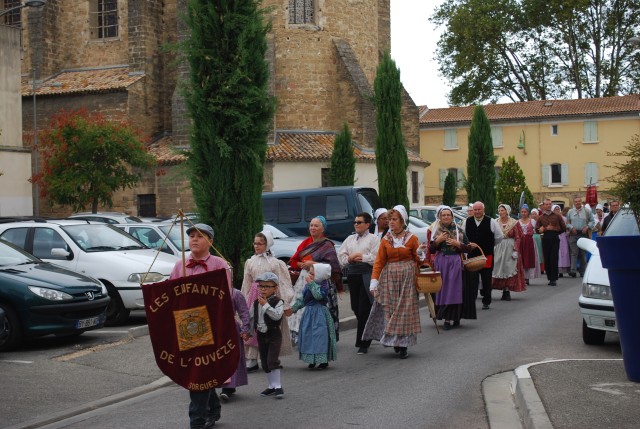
{"x": 343, "y": 162}
{"x": 230, "y": 108}
{"x": 391, "y": 155}
{"x": 481, "y": 173}
{"x": 449, "y": 195}
{"x": 511, "y": 184}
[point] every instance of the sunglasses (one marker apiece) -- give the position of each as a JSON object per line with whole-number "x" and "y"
{"x": 358, "y": 222}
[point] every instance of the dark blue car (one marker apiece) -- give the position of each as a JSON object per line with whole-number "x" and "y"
{"x": 38, "y": 298}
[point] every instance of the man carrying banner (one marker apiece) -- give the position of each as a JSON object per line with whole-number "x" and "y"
{"x": 204, "y": 409}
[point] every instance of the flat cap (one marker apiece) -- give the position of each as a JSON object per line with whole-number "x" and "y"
{"x": 203, "y": 228}
{"x": 267, "y": 277}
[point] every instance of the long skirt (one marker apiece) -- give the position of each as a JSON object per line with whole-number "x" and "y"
{"x": 240, "y": 377}
{"x": 507, "y": 272}
{"x": 538, "y": 240}
{"x": 564, "y": 254}
{"x": 449, "y": 299}
{"x": 394, "y": 319}
{"x": 533, "y": 272}
{"x": 316, "y": 337}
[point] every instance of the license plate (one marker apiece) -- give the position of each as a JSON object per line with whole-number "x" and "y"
{"x": 87, "y": 323}
{"x": 610, "y": 323}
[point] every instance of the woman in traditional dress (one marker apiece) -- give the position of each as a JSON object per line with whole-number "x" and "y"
{"x": 394, "y": 318}
{"x": 564, "y": 254}
{"x": 535, "y": 213}
{"x": 508, "y": 275}
{"x": 261, "y": 262}
{"x": 316, "y": 336}
{"x": 528, "y": 247}
{"x": 314, "y": 250}
{"x": 599, "y": 218}
{"x": 447, "y": 243}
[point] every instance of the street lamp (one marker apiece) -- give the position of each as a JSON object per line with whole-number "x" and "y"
{"x": 28, "y": 3}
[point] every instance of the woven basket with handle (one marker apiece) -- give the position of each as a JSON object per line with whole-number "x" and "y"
{"x": 429, "y": 281}
{"x": 474, "y": 264}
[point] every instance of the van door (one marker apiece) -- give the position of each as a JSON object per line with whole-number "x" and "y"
{"x": 336, "y": 209}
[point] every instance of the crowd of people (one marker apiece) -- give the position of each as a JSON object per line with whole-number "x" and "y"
{"x": 280, "y": 307}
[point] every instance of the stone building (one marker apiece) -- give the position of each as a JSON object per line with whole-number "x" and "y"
{"x": 108, "y": 56}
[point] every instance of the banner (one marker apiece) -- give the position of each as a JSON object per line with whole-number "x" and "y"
{"x": 193, "y": 330}
{"x": 592, "y": 197}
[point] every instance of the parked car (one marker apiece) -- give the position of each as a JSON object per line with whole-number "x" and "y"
{"x": 106, "y": 217}
{"x": 595, "y": 301}
{"x": 428, "y": 214}
{"x": 98, "y": 250}
{"x": 156, "y": 235}
{"x": 285, "y": 242}
{"x": 418, "y": 228}
{"x": 339, "y": 205}
{"x": 38, "y": 298}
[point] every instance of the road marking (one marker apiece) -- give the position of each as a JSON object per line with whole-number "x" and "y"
{"x": 16, "y": 361}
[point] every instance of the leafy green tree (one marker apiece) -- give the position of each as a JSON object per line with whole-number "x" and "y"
{"x": 343, "y": 162}
{"x": 527, "y": 50}
{"x": 626, "y": 180}
{"x": 391, "y": 155}
{"x": 229, "y": 104}
{"x": 449, "y": 195}
{"x": 511, "y": 184}
{"x": 481, "y": 173}
{"x": 86, "y": 158}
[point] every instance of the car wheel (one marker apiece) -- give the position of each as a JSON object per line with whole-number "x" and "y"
{"x": 12, "y": 335}
{"x": 592, "y": 337}
{"x": 116, "y": 313}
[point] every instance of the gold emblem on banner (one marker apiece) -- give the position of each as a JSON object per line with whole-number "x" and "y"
{"x": 193, "y": 328}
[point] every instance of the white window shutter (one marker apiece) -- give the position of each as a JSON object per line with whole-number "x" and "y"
{"x": 496, "y": 136}
{"x": 460, "y": 178}
{"x": 565, "y": 174}
{"x": 443, "y": 176}
{"x": 546, "y": 174}
{"x": 591, "y": 173}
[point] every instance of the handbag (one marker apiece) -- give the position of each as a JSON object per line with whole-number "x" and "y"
{"x": 429, "y": 281}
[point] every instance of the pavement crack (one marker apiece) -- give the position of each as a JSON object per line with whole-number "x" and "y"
{"x": 74, "y": 355}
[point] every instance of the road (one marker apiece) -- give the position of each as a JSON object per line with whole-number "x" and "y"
{"x": 438, "y": 386}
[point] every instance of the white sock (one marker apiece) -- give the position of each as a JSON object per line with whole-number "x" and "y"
{"x": 276, "y": 379}
{"x": 271, "y": 379}
{"x": 251, "y": 362}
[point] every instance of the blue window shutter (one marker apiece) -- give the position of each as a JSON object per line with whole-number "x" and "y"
{"x": 565, "y": 174}
{"x": 546, "y": 174}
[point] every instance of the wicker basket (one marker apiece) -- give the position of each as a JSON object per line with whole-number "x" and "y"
{"x": 429, "y": 282}
{"x": 474, "y": 264}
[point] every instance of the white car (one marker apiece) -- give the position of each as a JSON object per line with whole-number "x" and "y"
{"x": 428, "y": 214}
{"x": 595, "y": 301}
{"x": 418, "y": 228}
{"x": 156, "y": 235}
{"x": 97, "y": 250}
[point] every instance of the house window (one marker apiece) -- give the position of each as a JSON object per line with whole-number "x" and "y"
{"x": 301, "y": 12}
{"x": 147, "y": 205}
{"x": 103, "y": 19}
{"x": 450, "y": 139}
{"x": 554, "y": 130}
{"x": 458, "y": 173}
{"x": 591, "y": 173}
{"x": 415, "y": 191}
{"x": 555, "y": 174}
{"x": 496, "y": 136}
{"x": 590, "y": 132}
{"x": 12, "y": 18}
{"x": 324, "y": 177}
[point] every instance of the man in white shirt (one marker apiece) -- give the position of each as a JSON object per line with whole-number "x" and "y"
{"x": 357, "y": 255}
{"x": 580, "y": 221}
{"x": 486, "y": 233}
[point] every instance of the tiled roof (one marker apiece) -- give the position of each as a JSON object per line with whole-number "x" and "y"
{"x": 83, "y": 81}
{"x": 165, "y": 153}
{"x": 296, "y": 146}
{"x": 291, "y": 146}
{"x": 536, "y": 110}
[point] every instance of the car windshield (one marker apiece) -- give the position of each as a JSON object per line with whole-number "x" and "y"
{"x": 418, "y": 222}
{"x": 101, "y": 238}
{"x": 132, "y": 219}
{"x": 624, "y": 223}
{"x": 173, "y": 231}
{"x": 10, "y": 255}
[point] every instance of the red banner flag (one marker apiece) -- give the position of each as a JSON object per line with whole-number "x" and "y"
{"x": 193, "y": 330}
{"x": 592, "y": 197}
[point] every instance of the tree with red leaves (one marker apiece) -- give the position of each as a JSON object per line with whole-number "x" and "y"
{"x": 86, "y": 158}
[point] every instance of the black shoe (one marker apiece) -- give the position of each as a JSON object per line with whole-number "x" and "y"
{"x": 485, "y": 306}
{"x": 573, "y": 275}
{"x": 446, "y": 327}
{"x": 403, "y": 353}
{"x": 279, "y": 393}
{"x": 253, "y": 368}
{"x": 311, "y": 365}
{"x": 506, "y": 295}
{"x": 323, "y": 365}
{"x": 456, "y": 323}
{"x": 552, "y": 284}
{"x": 560, "y": 275}
{"x": 268, "y": 392}
{"x": 396, "y": 349}
{"x": 526, "y": 282}
{"x": 363, "y": 350}
{"x": 210, "y": 422}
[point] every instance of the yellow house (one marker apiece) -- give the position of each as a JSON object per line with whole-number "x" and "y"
{"x": 561, "y": 145}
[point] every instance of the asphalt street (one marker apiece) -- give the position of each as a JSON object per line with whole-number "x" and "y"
{"x": 440, "y": 385}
